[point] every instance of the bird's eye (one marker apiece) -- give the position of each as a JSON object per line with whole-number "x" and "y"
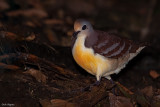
{"x": 84, "y": 27}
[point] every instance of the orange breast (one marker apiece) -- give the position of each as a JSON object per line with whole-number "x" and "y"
{"x": 86, "y": 58}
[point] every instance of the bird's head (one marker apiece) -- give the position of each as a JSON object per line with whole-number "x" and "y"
{"x": 82, "y": 26}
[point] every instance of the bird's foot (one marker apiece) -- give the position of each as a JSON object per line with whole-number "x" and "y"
{"x": 89, "y": 87}
{"x": 114, "y": 85}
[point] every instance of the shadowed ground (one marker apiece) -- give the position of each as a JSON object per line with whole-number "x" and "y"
{"x": 36, "y": 65}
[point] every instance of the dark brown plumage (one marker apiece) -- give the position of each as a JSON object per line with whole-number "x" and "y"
{"x": 111, "y": 45}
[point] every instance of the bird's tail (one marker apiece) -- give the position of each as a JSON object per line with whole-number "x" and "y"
{"x": 138, "y": 45}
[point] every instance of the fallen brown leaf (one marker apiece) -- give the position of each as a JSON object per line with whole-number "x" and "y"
{"x": 79, "y": 6}
{"x": 156, "y": 101}
{"x": 148, "y": 91}
{"x": 29, "y": 13}
{"x": 13, "y": 36}
{"x": 53, "y": 21}
{"x": 69, "y": 20}
{"x": 29, "y": 23}
{"x": 45, "y": 103}
{"x": 3, "y": 5}
{"x": 8, "y": 35}
{"x": 154, "y": 74}
{"x": 56, "y": 103}
{"x": 124, "y": 90}
{"x": 34, "y": 3}
{"x": 62, "y": 103}
{"x": 30, "y": 37}
{"x": 119, "y": 101}
{"x": 40, "y": 77}
{"x": 51, "y": 35}
{"x": 6, "y": 66}
{"x": 70, "y": 33}
{"x": 60, "y": 13}
{"x": 158, "y": 91}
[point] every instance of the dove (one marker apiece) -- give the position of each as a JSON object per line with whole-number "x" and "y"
{"x": 101, "y": 53}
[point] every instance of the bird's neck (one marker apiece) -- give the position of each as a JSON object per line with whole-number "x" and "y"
{"x": 91, "y": 39}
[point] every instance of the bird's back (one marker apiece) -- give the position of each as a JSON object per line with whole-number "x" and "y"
{"x": 111, "y": 45}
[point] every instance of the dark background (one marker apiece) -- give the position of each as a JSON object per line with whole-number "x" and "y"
{"x": 40, "y": 23}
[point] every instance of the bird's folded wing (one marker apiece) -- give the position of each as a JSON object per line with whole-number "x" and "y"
{"x": 112, "y": 46}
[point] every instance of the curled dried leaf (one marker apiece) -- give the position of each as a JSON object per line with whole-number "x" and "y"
{"x": 30, "y": 37}
{"x": 154, "y": 74}
{"x": 40, "y": 77}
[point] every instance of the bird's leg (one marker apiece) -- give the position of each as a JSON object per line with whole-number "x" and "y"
{"x": 87, "y": 88}
{"x": 113, "y": 83}
{"x": 111, "y": 80}
{"x": 97, "y": 83}
{"x": 94, "y": 84}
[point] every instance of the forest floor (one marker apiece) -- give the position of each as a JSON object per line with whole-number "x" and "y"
{"x": 36, "y": 65}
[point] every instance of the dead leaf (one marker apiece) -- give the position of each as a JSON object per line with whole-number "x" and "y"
{"x": 30, "y": 37}
{"x": 141, "y": 99}
{"x": 53, "y": 21}
{"x": 3, "y": 5}
{"x": 124, "y": 90}
{"x": 154, "y": 74}
{"x": 148, "y": 91}
{"x": 34, "y": 3}
{"x": 69, "y": 20}
{"x": 70, "y": 33}
{"x": 45, "y": 103}
{"x": 29, "y": 23}
{"x": 13, "y": 36}
{"x": 40, "y": 77}
{"x": 6, "y": 66}
{"x": 156, "y": 101}
{"x": 56, "y": 103}
{"x": 8, "y": 35}
{"x": 62, "y": 103}
{"x": 79, "y": 6}
{"x": 158, "y": 91}
{"x": 119, "y": 101}
{"x": 51, "y": 35}
{"x": 61, "y": 13}
{"x": 29, "y": 13}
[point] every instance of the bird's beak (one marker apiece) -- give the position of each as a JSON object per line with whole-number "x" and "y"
{"x": 75, "y": 34}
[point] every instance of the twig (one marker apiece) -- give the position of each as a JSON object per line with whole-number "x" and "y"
{"x": 50, "y": 47}
{"x": 124, "y": 90}
{"x": 10, "y": 67}
{"x": 35, "y": 60}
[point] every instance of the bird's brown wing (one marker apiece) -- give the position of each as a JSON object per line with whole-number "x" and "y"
{"x": 112, "y": 46}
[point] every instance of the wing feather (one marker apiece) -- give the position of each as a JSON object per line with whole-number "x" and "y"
{"x": 112, "y": 46}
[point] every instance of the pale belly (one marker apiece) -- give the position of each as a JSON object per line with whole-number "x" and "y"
{"x": 93, "y": 63}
